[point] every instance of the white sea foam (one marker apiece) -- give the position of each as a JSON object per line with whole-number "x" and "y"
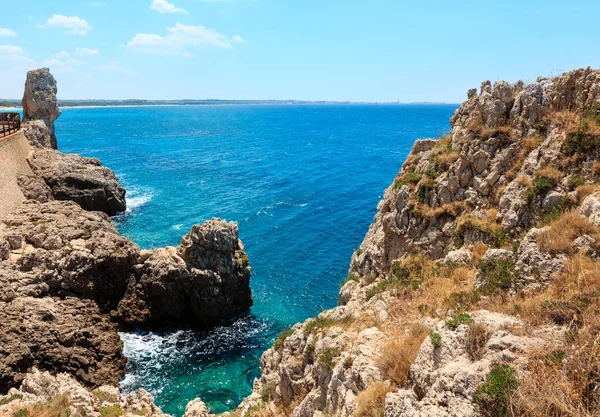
{"x": 138, "y": 197}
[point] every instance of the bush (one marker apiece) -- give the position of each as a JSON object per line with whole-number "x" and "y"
{"x": 582, "y": 140}
{"x": 541, "y": 185}
{"x": 497, "y": 274}
{"x": 399, "y": 354}
{"x": 457, "y": 319}
{"x": 11, "y": 399}
{"x": 323, "y": 323}
{"x": 476, "y": 340}
{"x": 112, "y": 411}
{"x": 278, "y": 345}
{"x": 328, "y": 356}
{"x": 493, "y": 395}
{"x": 371, "y": 402}
{"x": 436, "y": 340}
{"x": 351, "y": 277}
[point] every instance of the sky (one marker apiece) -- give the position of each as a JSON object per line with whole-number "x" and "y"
{"x": 372, "y": 51}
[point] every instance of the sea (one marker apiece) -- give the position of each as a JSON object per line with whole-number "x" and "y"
{"x": 303, "y": 183}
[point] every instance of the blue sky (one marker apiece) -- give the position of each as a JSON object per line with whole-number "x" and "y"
{"x": 375, "y": 50}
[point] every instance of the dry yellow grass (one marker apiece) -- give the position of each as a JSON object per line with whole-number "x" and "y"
{"x": 524, "y": 181}
{"x": 596, "y": 168}
{"x": 371, "y": 402}
{"x": 559, "y": 236}
{"x": 58, "y": 407}
{"x": 550, "y": 172}
{"x": 585, "y": 190}
{"x": 527, "y": 146}
{"x": 455, "y": 208}
{"x": 476, "y": 339}
{"x": 399, "y": 354}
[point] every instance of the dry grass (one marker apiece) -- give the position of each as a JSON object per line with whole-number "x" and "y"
{"x": 585, "y": 190}
{"x": 550, "y": 172}
{"x": 455, "y": 209}
{"x": 476, "y": 339}
{"x": 581, "y": 275}
{"x": 479, "y": 250}
{"x": 399, "y": 354}
{"x": 58, "y": 407}
{"x": 524, "y": 181}
{"x": 596, "y": 168}
{"x": 559, "y": 236}
{"x": 371, "y": 402}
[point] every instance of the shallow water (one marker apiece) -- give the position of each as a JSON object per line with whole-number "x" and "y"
{"x": 303, "y": 181}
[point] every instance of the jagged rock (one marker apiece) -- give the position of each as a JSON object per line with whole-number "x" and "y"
{"x": 39, "y": 103}
{"x": 41, "y": 388}
{"x": 35, "y": 188}
{"x": 82, "y": 180}
{"x": 67, "y": 335}
{"x": 196, "y": 408}
{"x": 204, "y": 280}
{"x": 458, "y": 256}
{"x": 37, "y": 134}
{"x": 535, "y": 267}
{"x": 68, "y": 252}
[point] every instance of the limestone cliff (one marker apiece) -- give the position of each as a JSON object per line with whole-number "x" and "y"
{"x": 475, "y": 290}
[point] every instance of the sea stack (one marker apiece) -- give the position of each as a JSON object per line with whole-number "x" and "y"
{"x": 39, "y": 100}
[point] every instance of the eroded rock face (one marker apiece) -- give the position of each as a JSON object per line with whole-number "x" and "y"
{"x": 204, "y": 280}
{"x": 60, "y": 249}
{"x": 68, "y": 335}
{"x": 78, "y": 179}
{"x": 38, "y": 135}
{"x": 39, "y": 101}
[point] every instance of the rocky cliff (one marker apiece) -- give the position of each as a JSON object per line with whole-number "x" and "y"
{"x": 475, "y": 290}
{"x": 70, "y": 281}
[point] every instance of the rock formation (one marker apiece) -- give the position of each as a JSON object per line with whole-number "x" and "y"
{"x": 39, "y": 103}
{"x": 203, "y": 280}
{"x": 69, "y": 279}
{"x": 78, "y": 179}
{"x": 475, "y": 288}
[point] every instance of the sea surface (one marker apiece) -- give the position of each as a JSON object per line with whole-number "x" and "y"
{"x": 302, "y": 181}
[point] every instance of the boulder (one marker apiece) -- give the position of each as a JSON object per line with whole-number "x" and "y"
{"x": 68, "y": 335}
{"x": 82, "y": 180}
{"x": 39, "y": 102}
{"x": 204, "y": 280}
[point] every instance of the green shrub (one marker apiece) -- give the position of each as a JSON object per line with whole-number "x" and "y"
{"x": 21, "y": 413}
{"x": 422, "y": 192}
{"x": 457, "y": 319}
{"x": 493, "y": 395}
{"x": 463, "y": 300}
{"x": 575, "y": 181}
{"x": 321, "y": 323}
{"x": 278, "y": 345}
{"x": 541, "y": 185}
{"x": 328, "y": 356}
{"x": 11, "y": 399}
{"x": 436, "y": 340}
{"x": 351, "y": 277}
{"x": 111, "y": 411}
{"x": 497, "y": 274}
{"x": 556, "y": 357}
{"x": 582, "y": 141}
{"x": 412, "y": 178}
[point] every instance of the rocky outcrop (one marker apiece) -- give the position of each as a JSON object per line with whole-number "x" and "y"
{"x": 39, "y": 103}
{"x": 205, "y": 279}
{"x": 62, "y": 395}
{"x": 68, "y": 335}
{"x": 38, "y": 135}
{"x": 82, "y": 180}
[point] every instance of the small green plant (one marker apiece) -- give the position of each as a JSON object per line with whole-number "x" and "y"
{"x": 351, "y": 277}
{"x": 457, "y": 319}
{"x": 321, "y": 323}
{"x": 111, "y": 411}
{"x": 541, "y": 185}
{"x": 328, "y": 356}
{"x": 556, "y": 357}
{"x": 267, "y": 391}
{"x": 575, "y": 181}
{"x": 436, "y": 340}
{"x": 582, "y": 141}
{"x": 21, "y": 413}
{"x": 359, "y": 252}
{"x": 497, "y": 274}
{"x": 422, "y": 192}
{"x": 493, "y": 395}
{"x": 412, "y": 178}
{"x": 141, "y": 412}
{"x": 11, "y": 399}
{"x": 309, "y": 352}
{"x": 463, "y": 300}
{"x": 278, "y": 345}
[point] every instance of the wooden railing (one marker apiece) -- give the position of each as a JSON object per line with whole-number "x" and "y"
{"x": 9, "y": 123}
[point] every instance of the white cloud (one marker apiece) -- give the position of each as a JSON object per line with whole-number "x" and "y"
{"x": 74, "y": 25}
{"x": 178, "y": 37}
{"x": 61, "y": 55}
{"x": 7, "y": 32}
{"x": 238, "y": 39}
{"x": 187, "y": 55}
{"x": 96, "y": 3}
{"x": 163, "y": 6}
{"x": 11, "y": 53}
{"x": 116, "y": 67}
{"x": 86, "y": 52}
{"x": 64, "y": 66}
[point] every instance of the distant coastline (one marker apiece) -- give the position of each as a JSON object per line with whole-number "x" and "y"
{"x": 10, "y": 104}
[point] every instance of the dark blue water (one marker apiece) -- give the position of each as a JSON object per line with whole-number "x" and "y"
{"x": 303, "y": 181}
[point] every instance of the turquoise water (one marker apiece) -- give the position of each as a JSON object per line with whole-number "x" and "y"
{"x": 303, "y": 181}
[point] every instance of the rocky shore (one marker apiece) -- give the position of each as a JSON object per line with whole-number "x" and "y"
{"x": 476, "y": 291}
{"x": 70, "y": 281}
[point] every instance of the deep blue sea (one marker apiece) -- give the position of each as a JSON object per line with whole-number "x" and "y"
{"x": 302, "y": 181}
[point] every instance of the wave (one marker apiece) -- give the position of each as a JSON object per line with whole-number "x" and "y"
{"x": 137, "y": 197}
